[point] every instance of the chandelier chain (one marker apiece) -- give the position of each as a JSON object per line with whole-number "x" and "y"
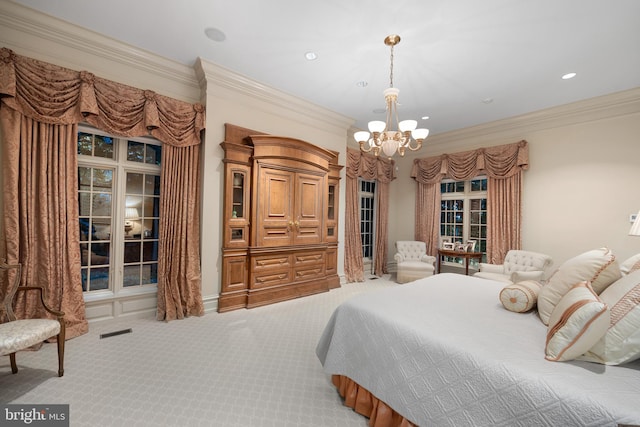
{"x": 391, "y": 69}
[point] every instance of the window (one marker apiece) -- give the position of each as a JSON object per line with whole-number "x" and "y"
{"x": 119, "y": 202}
{"x": 463, "y": 214}
{"x": 367, "y": 218}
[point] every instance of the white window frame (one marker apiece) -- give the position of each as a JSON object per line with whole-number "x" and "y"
{"x": 120, "y": 166}
{"x": 368, "y": 262}
{"x": 466, "y": 195}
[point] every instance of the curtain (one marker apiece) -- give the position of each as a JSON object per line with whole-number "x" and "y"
{"x": 503, "y": 165}
{"x": 360, "y": 165}
{"x": 40, "y": 107}
{"x": 353, "y": 265}
{"x": 179, "y": 264}
{"x": 504, "y": 214}
{"x": 40, "y": 174}
{"x": 427, "y": 227}
{"x": 382, "y": 227}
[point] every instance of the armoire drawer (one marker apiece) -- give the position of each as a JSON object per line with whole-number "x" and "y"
{"x": 309, "y": 272}
{"x": 266, "y": 279}
{"x": 270, "y": 262}
{"x": 308, "y": 258}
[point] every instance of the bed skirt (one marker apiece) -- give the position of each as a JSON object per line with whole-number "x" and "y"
{"x": 364, "y": 403}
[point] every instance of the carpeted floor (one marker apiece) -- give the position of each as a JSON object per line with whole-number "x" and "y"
{"x": 243, "y": 368}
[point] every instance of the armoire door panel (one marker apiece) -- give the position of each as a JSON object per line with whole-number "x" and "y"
{"x": 309, "y": 208}
{"x": 275, "y": 222}
{"x": 235, "y": 273}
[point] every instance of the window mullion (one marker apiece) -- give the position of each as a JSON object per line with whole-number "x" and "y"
{"x": 118, "y": 215}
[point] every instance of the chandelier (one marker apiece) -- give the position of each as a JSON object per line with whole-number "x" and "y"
{"x": 383, "y": 138}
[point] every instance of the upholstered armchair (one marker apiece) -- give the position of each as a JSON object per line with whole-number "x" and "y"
{"x": 517, "y": 266}
{"x": 412, "y": 261}
{"x": 20, "y": 334}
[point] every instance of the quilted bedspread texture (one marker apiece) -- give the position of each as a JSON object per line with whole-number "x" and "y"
{"x": 442, "y": 351}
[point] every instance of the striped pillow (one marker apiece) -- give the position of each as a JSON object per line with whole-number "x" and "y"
{"x": 598, "y": 266}
{"x": 576, "y": 324}
{"x": 520, "y": 297}
{"x": 621, "y": 343}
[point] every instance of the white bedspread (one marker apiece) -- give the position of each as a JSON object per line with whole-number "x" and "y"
{"x": 442, "y": 351}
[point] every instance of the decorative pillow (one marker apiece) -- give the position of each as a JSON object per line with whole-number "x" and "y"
{"x": 521, "y": 296}
{"x": 599, "y": 267}
{"x": 621, "y": 343}
{"x": 577, "y": 323}
{"x": 630, "y": 265}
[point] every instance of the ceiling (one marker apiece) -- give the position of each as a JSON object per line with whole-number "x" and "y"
{"x": 461, "y": 62}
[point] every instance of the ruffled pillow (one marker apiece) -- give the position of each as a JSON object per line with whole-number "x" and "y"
{"x": 630, "y": 265}
{"x": 621, "y": 342}
{"x": 520, "y": 297}
{"x": 577, "y": 323}
{"x": 598, "y": 267}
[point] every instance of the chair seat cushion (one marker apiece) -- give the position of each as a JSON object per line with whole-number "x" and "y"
{"x": 416, "y": 266}
{"x": 22, "y": 334}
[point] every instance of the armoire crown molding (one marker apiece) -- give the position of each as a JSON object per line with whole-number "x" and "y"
{"x": 31, "y": 33}
{"x": 211, "y": 75}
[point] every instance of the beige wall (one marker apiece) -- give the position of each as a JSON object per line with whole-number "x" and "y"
{"x": 232, "y": 98}
{"x": 578, "y": 193}
{"x": 583, "y": 180}
{"x": 229, "y": 98}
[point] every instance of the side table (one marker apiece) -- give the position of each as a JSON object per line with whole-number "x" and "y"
{"x": 460, "y": 254}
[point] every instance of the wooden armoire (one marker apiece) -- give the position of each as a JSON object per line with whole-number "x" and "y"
{"x": 280, "y": 219}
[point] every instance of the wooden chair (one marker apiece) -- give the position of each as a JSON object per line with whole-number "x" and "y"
{"x": 20, "y": 334}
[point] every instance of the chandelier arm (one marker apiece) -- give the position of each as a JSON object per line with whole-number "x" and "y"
{"x": 377, "y": 141}
{"x": 364, "y": 150}
{"x": 416, "y": 148}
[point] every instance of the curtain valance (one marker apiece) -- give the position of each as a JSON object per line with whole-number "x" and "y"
{"x": 56, "y": 95}
{"x": 499, "y": 162}
{"x": 361, "y": 165}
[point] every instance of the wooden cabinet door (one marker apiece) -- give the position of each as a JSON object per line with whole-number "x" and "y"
{"x": 309, "y": 209}
{"x": 275, "y": 206}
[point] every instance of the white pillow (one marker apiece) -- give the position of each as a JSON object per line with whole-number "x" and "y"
{"x": 577, "y": 323}
{"x": 621, "y": 343}
{"x": 599, "y": 267}
{"x": 521, "y": 296}
{"x": 630, "y": 265}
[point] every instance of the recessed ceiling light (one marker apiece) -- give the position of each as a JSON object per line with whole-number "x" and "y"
{"x": 568, "y": 76}
{"x": 215, "y": 34}
{"x": 487, "y": 100}
{"x": 425, "y": 117}
{"x": 311, "y": 56}
{"x": 362, "y": 83}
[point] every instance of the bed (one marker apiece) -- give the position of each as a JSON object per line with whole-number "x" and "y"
{"x": 443, "y": 351}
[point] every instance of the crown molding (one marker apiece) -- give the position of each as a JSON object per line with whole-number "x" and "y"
{"x": 311, "y": 114}
{"x": 16, "y": 21}
{"x": 516, "y": 128}
{"x": 602, "y": 107}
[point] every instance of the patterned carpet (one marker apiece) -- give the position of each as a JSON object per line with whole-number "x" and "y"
{"x": 243, "y": 368}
